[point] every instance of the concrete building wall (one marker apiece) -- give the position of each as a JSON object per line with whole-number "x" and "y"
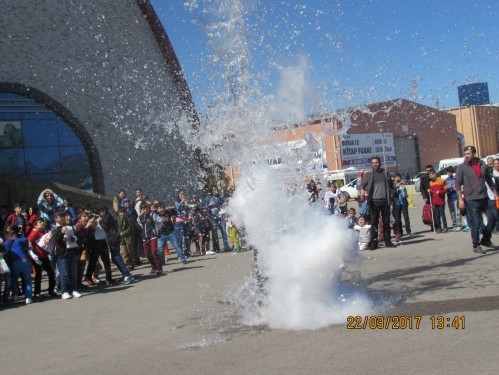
{"x": 102, "y": 66}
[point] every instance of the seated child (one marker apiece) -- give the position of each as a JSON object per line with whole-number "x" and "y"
{"x": 364, "y": 230}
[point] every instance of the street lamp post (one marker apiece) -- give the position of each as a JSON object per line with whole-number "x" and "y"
{"x": 380, "y": 126}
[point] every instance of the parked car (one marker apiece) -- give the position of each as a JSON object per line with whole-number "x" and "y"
{"x": 351, "y": 189}
{"x": 417, "y": 180}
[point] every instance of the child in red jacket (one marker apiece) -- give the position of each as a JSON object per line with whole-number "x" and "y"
{"x": 437, "y": 192}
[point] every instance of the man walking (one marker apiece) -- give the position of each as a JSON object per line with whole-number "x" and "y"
{"x": 378, "y": 187}
{"x": 472, "y": 178}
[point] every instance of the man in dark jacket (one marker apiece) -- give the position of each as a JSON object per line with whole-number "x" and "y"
{"x": 378, "y": 186}
{"x": 424, "y": 184}
{"x": 473, "y": 178}
{"x": 110, "y": 226}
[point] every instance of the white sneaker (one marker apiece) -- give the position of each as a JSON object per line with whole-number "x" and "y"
{"x": 76, "y": 294}
{"x": 28, "y": 301}
{"x": 211, "y": 252}
{"x": 66, "y": 295}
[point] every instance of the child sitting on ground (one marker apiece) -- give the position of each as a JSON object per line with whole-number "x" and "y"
{"x": 364, "y": 230}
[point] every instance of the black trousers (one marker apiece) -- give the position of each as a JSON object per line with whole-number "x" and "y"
{"x": 378, "y": 207}
{"x": 96, "y": 249}
{"x": 47, "y": 267}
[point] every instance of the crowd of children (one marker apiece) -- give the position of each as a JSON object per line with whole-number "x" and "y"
{"x": 66, "y": 243}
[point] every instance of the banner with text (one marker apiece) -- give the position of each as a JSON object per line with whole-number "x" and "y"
{"x": 358, "y": 149}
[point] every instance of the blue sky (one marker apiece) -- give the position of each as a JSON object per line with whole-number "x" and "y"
{"x": 357, "y": 52}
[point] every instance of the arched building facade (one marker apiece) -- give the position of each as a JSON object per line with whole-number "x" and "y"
{"x": 93, "y": 96}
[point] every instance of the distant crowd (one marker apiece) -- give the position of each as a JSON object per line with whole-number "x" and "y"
{"x": 72, "y": 244}
{"x": 468, "y": 190}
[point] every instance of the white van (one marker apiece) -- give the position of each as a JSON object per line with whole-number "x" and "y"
{"x": 444, "y": 163}
{"x": 346, "y": 179}
{"x": 342, "y": 177}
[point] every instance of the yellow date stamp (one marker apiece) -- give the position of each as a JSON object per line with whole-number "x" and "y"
{"x": 436, "y": 322}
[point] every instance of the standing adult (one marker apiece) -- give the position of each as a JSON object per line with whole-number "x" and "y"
{"x": 48, "y": 203}
{"x": 472, "y": 178}
{"x": 378, "y": 187}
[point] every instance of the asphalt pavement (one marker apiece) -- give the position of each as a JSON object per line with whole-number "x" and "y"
{"x": 186, "y": 322}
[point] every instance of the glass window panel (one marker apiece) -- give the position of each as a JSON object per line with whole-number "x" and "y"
{"x": 78, "y": 179}
{"x": 73, "y": 158}
{"x": 67, "y": 136}
{"x": 42, "y": 145}
{"x": 44, "y": 160}
{"x": 6, "y": 116}
{"x": 12, "y": 161}
{"x": 49, "y": 177}
{"x": 40, "y": 133}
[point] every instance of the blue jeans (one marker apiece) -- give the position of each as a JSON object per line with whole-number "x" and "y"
{"x": 455, "y": 214}
{"x": 474, "y": 211}
{"x": 68, "y": 271}
{"x": 180, "y": 237}
{"x": 23, "y": 268}
{"x": 220, "y": 223}
{"x": 173, "y": 240}
{"x": 491, "y": 214}
{"x": 118, "y": 260}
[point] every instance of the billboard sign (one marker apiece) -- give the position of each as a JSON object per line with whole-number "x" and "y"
{"x": 358, "y": 149}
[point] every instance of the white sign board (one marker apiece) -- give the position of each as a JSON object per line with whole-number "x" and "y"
{"x": 358, "y": 149}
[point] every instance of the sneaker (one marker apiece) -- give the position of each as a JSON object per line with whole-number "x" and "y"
{"x": 439, "y": 231}
{"x": 466, "y": 229}
{"x": 53, "y": 293}
{"x": 478, "y": 249}
{"x": 152, "y": 271}
{"x": 159, "y": 273}
{"x": 211, "y": 252}
{"x": 457, "y": 229}
{"x": 445, "y": 230}
{"x": 373, "y": 246}
{"x": 66, "y": 295}
{"x": 127, "y": 280}
{"x": 76, "y": 294}
{"x": 28, "y": 301}
{"x": 390, "y": 244}
{"x": 184, "y": 261}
